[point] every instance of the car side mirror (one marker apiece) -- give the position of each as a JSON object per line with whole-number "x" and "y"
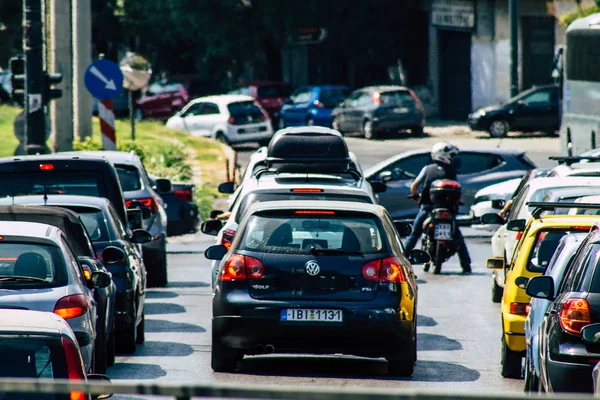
{"x": 404, "y": 229}
{"x": 417, "y": 256}
{"x": 112, "y": 255}
{"x": 163, "y": 185}
{"x": 492, "y": 219}
{"x": 494, "y": 263}
{"x": 101, "y": 279}
{"x": 103, "y": 379}
{"x": 216, "y": 252}
{"x": 215, "y": 213}
{"x": 211, "y": 227}
{"x": 385, "y": 176}
{"x": 541, "y": 287}
{"x": 141, "y": 236}
{"x": 379, "y": 187}
{"x": 227, "y": 187}
{"x": 517, "y": 225}
{"x": 591, "y": 338}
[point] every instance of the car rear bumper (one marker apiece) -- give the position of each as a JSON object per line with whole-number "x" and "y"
{"x": 514, "y": 331}
{"x": 569, "y": 377}
{"x": 392, "y": 123}
{"x": 240, "y": 134}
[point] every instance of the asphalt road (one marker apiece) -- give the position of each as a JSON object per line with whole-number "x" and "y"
{"x": 458, "y": 326}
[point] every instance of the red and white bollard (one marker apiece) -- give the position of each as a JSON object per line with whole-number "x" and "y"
{"x": 107, "y": 124}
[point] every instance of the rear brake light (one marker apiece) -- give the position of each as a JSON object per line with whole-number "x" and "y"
{"x": 448, "y": 184}
{"x": 376, "y": 98}
{"x": 574, "y": 315}
{"x": 386, "y": 270}
{"x": 519, "y": 308}
{"x": 147, "y": 202}
{"x": 314, "y": 212}
{"x": 231, "y": 121}
{"x": 46, "y": 167}
{"x": 183, "y": 194}
{"x": 74, "y": 365}
{"x": 71, "y": 306}
{"x": 307, "y": 190}
{"x": 227, "y": 238}
{"x": 370, "y": 271}
{"x": 445, "y": 215}
{"x": 519, "y": 234}
{"x": 581, "y": 228}
{"x": 239, "y": 267}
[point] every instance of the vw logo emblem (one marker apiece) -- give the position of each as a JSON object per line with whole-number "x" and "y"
{"x": 312, "y": 268}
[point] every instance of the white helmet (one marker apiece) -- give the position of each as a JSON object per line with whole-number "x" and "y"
{"x": 444, "y": 152}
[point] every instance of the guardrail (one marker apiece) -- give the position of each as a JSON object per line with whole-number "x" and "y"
{"x": 238, "y": 391}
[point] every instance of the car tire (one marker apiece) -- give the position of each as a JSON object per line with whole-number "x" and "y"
{"x": 497, "y": 291}
{"x": 160, "y": 276}
{"x": 498, "y": 128}
{"x": 510, "y": 362}
{"x": 223, "y": 358}
{"x": 141, "y": 330}
{"x": 110, "y": 348}
{"x": 127, "y": 343}
{"x": 532, "y": 382}
{"x": 417, "y": 131}
{"x": 335, "y": 125}
{"x": 368, "y": 130}
{"x": 404, "y": 367}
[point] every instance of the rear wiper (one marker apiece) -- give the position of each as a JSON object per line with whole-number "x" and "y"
{"x": 316, "y": 251}
{"x": 21, "y": 279}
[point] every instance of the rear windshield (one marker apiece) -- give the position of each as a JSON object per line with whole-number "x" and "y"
{"x": 50, "y": 182}
{"x": 331, "y": 98}
{"x": 300, "y": 234}
{"x": 273, "y": 91}
{"x": 543, "y": 249}
{"x": 31, "y": 265}
{"x": 244, "y": 108}
{"x": 254, "y": 198}
{"x": 94, "y": 222}
{"x": 129, "y": 177}
{"x": 398, "y": 97}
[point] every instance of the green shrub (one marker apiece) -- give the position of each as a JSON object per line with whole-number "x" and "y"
{"x": 88, "y": 144}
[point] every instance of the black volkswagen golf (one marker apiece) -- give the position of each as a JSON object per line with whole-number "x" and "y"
{"x": 316, "y": 278}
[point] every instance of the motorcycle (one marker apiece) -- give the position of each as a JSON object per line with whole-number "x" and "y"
{"x": 439, "y": 229}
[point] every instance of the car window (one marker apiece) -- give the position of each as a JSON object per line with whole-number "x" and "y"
{"x": 94, "y": 223}
{"x": 303, "y": 96}
{"x": 72, "y": 262}
{"x": 52, "y": 182}
{"x": 43, "y": 263}
{"x": 121, "y": 232}
{"x": 518, "y": 203}
{"x": 31, "y": 357}
{"x": 352, "y": 100}
{"x": 331, "y": 98}
{"x": 473, "y": 163}
{"x": 129, "y": 176}
{"x": 399, "y": 97}
{"x": 409, "y": 167}
{"x": 245, "y": 112}
{"x": 154, "y": 89}
{"x": 543, "y": 249}
{"x": 575, "y": 266}
{"x": 210, "y": 109}
{"x": 594, "y": 261}
{"x": 364, "y": 100}
{"x": 194, "y": 109}
{"x": 542, "y": 97}
{"x": 245, "y": 90}
{"x": 173, "y": 87}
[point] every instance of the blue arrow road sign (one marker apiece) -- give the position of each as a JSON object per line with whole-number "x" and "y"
{"x": 103, "y": 79}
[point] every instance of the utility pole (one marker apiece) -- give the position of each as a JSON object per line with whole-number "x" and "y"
{"x": 82, "y": 58}
{"x": 33, "y": 41}
{"x": 513, "y": 13}
{"x": 61, "y": 48}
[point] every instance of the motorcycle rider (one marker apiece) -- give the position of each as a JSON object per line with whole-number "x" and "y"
{"x": 442, "y": 167}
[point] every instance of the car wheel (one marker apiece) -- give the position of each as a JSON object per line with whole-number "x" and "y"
{"x": 417, "y": 131}
{"x": 510, "y": 362}
{"x": 335, "y": 125}
{"x": 497, "y": 291}
{"x": 368, "y": 130}
{"x": 138, "y": 114}
{"x": 141, "y": 330}
{"x": 532, "y": 382}
{"x": 110, "y": 348}
{"x": 100, "y": 355}
{"x": 498, "y": 129}
{"x": 223, "y": 358}
{"x": 160, "y": 276}
{"x": 127, "y": 340}
{"x": 405, "y": 368}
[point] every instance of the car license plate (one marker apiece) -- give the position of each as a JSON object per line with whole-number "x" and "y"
{"x": 401, "y": 110}
{"x": 252, "y": 129}
{"x": 311, "y": 315}
{"x": 442, "y": 232}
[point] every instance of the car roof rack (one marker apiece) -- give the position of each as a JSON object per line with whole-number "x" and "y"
{"x": 569, "y": 160}
{"x": 540, "y": 207}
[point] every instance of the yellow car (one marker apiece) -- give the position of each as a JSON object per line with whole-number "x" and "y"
{"x": 539, "y": 238}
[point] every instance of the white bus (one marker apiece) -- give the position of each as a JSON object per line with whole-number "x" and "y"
{"x": 580, "y": 122}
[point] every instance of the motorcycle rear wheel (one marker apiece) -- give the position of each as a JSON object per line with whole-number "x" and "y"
{"x": 438, "y": 260}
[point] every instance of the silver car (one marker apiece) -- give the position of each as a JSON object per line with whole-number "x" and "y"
{"x": 40, "y": 272}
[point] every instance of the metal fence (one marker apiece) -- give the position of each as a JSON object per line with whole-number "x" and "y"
{"x": 238, "y": 391}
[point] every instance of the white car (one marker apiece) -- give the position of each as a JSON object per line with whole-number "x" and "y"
{"x": 491, "y": 199}
{"x": 587, "y": 169}
{"x": 230, "y": 118}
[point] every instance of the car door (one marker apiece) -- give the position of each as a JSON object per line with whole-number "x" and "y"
{"x": 295, "y": 113}
{"x": 344, "y": 119}
{"x": 363, "y": 110}
{"x": 403, "y": 173}
{"x": 354, "y": 113}
{"x": 475, "y": 171}
{"x": 534, "y": 112}
{"x": 210, "y": 117}
{"x": 192, "y": 119}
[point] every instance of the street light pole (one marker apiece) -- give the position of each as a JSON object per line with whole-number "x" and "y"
{"x": 513, "y": 12}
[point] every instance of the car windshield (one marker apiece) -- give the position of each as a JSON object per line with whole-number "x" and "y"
{"x": 331, "y": 98}
{"x": 543, "y": 249}
{"x": 129, "y": 177}
{"x": 31, "y": 264}
{"x": 254, "y": 198}
{"x": 94, "y": 222}
{"x": 310, "y": 234}
{"x": 52, "y": 182}
{"x": 397, "y": 98}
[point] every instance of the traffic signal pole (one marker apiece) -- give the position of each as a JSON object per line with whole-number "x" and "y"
{"x": 33, "y": 42}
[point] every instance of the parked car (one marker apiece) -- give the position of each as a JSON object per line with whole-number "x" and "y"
{"x": 377, "y": 109}
{"x": 41, "y": 272}
{"x": 476, "y": 167}
{"x": 323, "y": 280}
{"x": 270, "y": 95}
{"x": 137, "y": 187}
{"x": 534, "y": 110}
{"x": 229, "y": 118}
{"x": 493, "y": 198}
{"x": 164, "y": 98}
{"x": 182, "y": 211}
{"x": 41, "y": 345}
{"x": 311, "y": 105}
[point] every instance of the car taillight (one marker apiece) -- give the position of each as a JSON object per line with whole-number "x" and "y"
{"x": 318, "y": 104}
{"x": 519, "y": 308}
{"x": 231, "y": 120}
{"x": 376, "y": 98}
{"x": 147, "y": 202}
{"x": 445, "y": 215}
{"x": 386, "y": 270}
{"x": 227, "y": 238}
{"x": 71, "y": 306}
{"x": 519, "y": 234}
{"x": 186, "y": 96}
{"x": 574, "y": 315}
{"x": 74, "y": 365}
{"x": 239, "y": 267}
{"x": 183, "y": 194}
{"x": 416, "y": 99}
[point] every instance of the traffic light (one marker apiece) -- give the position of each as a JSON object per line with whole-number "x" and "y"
{"x": 51, "y": 93}
{"x": 17, "y": 79}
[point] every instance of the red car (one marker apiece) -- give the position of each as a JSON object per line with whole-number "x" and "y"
{"x": 270, "y": 95}
{"x": 166, "y": 97}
